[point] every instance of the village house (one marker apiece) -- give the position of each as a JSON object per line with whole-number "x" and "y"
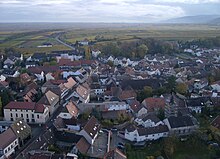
{"x": 95, "y": 53}
{"x": 197, "y": 104}
{"x": 154, "y": 104}
{"x": 136, "y": 108}
{"x": 175, "y": 105}
{"x": 150, "y": 120}
{"x": 67, "y": 54}
{"x": 200, "y": 83}
{"x": 30, "y": 64}
{"x": 84, "y": 42}
{"x": 70, "y": 83}
{"x": 50, "y": 100}
{"x": 62, "y": 124}
{"x": 81, "y": 93}
{"x": 69, "y": 111}
{"x": 115, "y": 105}
{"x": 29, "y": 111}
{"x": 8, "y": 144}
{"x": 22, "y": 131}
{"x": 180, "y": 125}
{"x": 137, "y": 134}
{"x": 216, "y": 86}
{"x": 10, "y": 73}
{"x": 91, "y": 130}
{"x": 25, "y": 79}
{"x": 9, "y": 63}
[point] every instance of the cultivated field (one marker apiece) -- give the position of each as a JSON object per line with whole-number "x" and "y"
{"x": 27, "y": 40}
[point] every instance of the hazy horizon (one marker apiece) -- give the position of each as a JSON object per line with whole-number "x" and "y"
{"x": 103, "y": 11}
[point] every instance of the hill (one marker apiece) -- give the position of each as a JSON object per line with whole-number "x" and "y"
{"x": 199, "y": 19}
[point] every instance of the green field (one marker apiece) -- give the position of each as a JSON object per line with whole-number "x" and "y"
{"x": 166, "y": 32}
{"x": 27, "y": 43}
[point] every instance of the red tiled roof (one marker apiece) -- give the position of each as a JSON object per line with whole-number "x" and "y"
{"x": 39, "y": 108}
{"x": 72, "y": 109}
{"x": 20, "y": 105}
{"x": 92, "y": 127}
{"x": 82, "y": 145}
{"x": 68, "y": 62}
{"x": 45, "y": 69}
{"x": 154, "y": 103}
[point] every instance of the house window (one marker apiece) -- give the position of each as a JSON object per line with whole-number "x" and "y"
{"x": 32, "y": 115}
{"x": 22, "y": 115}
{"x": 27, "y": 115}
{"x": 12, "y": 119}
{"x": 32, "y": 120}
{"x": 16, "y": 115}
{"x": 27, "y": 120}
{"x": 11, "y": 115}
{"x": 38, "y": 116}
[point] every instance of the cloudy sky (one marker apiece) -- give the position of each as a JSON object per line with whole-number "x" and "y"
{"x": 146, "y": 11}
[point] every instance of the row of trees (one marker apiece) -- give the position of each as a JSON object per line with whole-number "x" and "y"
{"x": 203, "y": 42}
{"x": 139, "y": 48}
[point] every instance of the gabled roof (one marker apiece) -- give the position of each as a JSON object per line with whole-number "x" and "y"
{"x": 127, "y": 94}
{"x": 25, "y": 78}
{"x": 38, "y": 108}
{"x": 72, "y": 109}
{"x": 152, "y": 130}
{"x": 59, "y": 123}
{"x": 70, "y": 83}
{"x": 136, "y": 106}
{"x": 92, "y": 127}
{"x": 131, "y": 128}
{"x": 140, "y": 84}
{"x": 83, "y": 145}
{"x": 67, "y": 137}
{"x": 154, "y": 103}
{"x": 194, "y": 102}
{"x": 115, "y": 154}
{"x": 82, "y": 91}
{"x": 50, "y": 97}
{"x": 45, "y": 69}
{"x": 180, "y": 121}
{"x": 6, "y": 138}
{"x": 151, "y": 117}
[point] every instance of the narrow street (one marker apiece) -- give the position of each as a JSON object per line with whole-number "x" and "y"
{"x": 42, "y": 137}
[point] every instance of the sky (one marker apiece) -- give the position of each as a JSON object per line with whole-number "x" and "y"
{"x": 125, "y": 11}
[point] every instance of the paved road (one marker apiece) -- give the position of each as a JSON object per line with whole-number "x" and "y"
{"x": 62, "y": 42}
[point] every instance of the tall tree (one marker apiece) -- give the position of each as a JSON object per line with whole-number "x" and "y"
{"x": 181, "y": 88}
{"x": 142, "y": 50}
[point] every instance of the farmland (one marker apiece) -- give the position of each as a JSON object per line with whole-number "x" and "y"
{"x": 27, "y": 40}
